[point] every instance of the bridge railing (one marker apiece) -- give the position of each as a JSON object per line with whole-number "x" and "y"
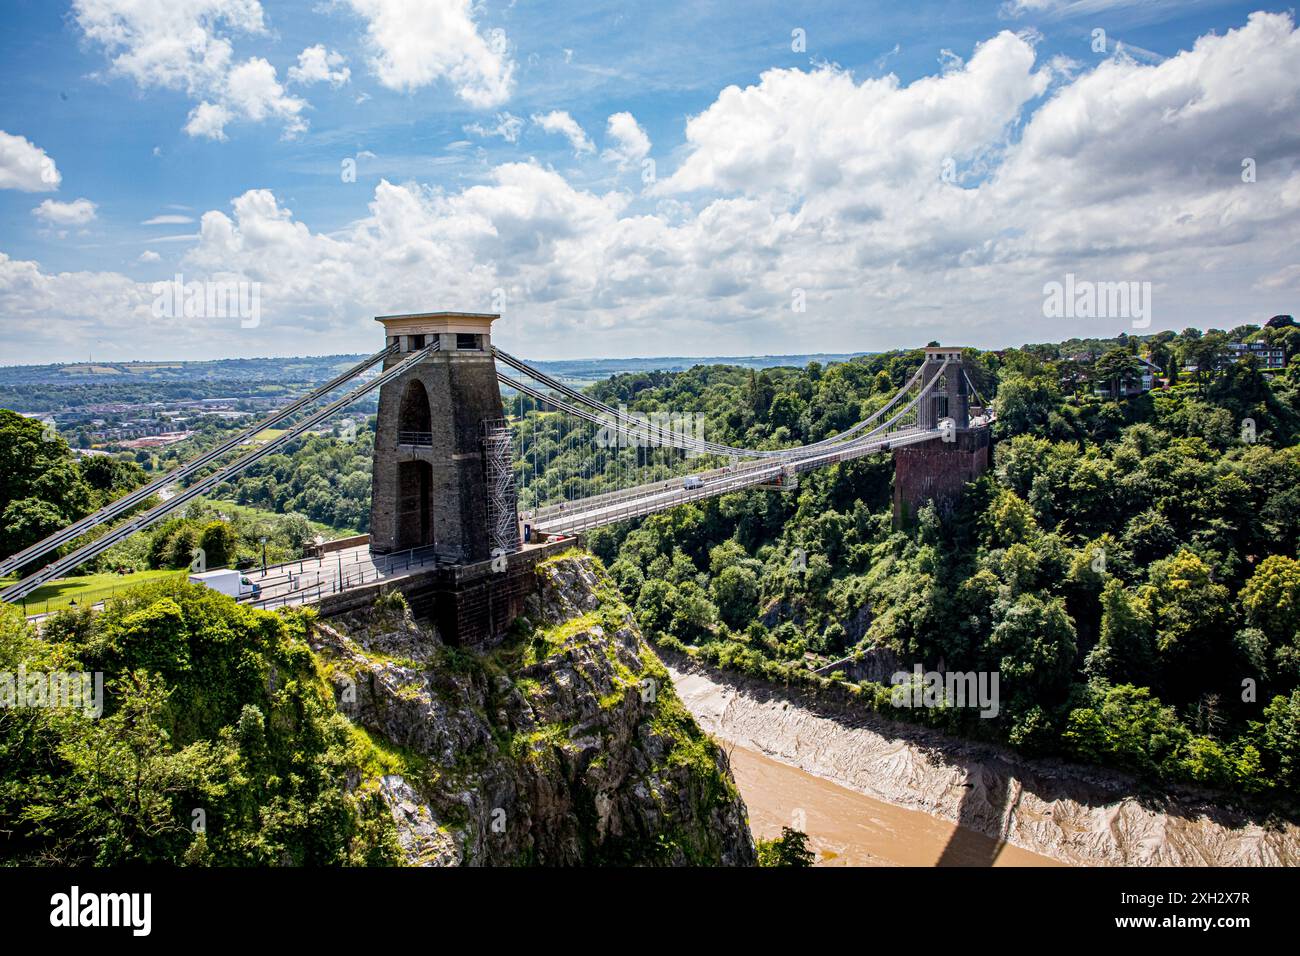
{"x": 415, "y": 438}
{"x": 583, "y": 517}
{"x": 315, "y": 578}
{"x": 798, "y": 459}
{"x": 548, "y": 511}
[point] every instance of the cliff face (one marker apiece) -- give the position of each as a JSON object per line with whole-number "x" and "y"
{"x": 567, "y": 745}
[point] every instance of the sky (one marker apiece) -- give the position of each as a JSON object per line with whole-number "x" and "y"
{"x": 618, "y": 179}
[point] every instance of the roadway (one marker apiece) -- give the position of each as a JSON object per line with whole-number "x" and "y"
{"x": 588, "y": 513}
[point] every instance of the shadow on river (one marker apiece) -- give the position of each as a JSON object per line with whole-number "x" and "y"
{"x": 847, "y": 828}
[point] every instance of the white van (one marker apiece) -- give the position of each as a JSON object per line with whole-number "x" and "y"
{"x": 692, "y": 482}
{"x": 226, "y": 581}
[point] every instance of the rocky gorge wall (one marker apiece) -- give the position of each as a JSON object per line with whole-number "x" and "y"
{"x": 565, "y": 745}
{"x": 1076, "y": 814}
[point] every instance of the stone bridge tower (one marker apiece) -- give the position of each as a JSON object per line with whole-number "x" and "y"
{"x": 441, "y": 475}
{"x": 938, "y": 470}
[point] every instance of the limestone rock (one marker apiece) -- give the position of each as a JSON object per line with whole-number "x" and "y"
{"x": 423, "y": 841}
{"x": 564, "y": 746}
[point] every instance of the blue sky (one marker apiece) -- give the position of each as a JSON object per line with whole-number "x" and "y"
{"x": 779, "y": 192}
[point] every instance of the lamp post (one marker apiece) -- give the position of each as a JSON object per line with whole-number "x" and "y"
{"x": 263, "y": 555}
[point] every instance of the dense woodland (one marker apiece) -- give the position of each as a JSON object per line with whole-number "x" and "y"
{"x": 220, "y": 742}
{"x": 1129, "y": 567}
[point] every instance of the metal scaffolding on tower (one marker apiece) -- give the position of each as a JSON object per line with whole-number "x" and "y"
{"x": 498, "y": 460}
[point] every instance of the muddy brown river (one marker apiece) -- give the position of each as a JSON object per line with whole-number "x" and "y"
{"x": 846, "y": 828}
{"x": 872, "y": 792}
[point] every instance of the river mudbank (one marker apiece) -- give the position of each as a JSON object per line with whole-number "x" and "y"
{"x": 1073, "y": 814}
{"x": 848, "y": 828}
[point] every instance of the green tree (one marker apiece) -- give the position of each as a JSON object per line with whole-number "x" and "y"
{"x": 1010, "y": 520}
{"x": 219, "y": 543}
{"x": 1118, "y": 369}
{"x": 41, "y": 487}
{"x": 1035, "y": 642}
{"x": 790, "y": 849}
{"x": 654, "y": 608}
{"x": 694, "y": 615}
{"x": 1126, "y": 726}
{"x": 735, "y": 592}
{"x": 1190, "y": 613}
{"x": 1277, "y": 741}
{"x": 1125, "y": 649}
{"x": 130, "y": 778}
{"x": 1024, "y": 403}
{"x": 1271, "y": 598}
{"x": 786, "y": 411}
{"x": 27, "y": 521}
{"x": 218, "y": 707}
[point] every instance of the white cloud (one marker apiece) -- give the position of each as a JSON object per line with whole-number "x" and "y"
{"x": 417, "y": 42}
{"x": 559, "y": 121}
{"x": 508, "y": 128}
{"x": 186, "y": 45}
{"x": 820, "y": 133}
{"x": 318, "y": 65}
{"x": 631, "y": 142}
{"x": 25, "y": 166}
{"x": 150, "y": 256}
{"x": 175, "y": 44}
{"x": 950, "y": 61}
{"x": 167, "y": 219}
{"x": 75, "y": 213}
{"x": 88, "y": 305}
{"x": 254, "y": 90}
{"x": 808, "y": 180}
{"x": 209, "y": 120}
{"x": 1015, "y": 8}
{"x": 1072, "y": 8}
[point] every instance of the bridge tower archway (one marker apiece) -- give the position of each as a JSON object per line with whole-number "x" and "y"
{"x": 414, "y": 499}
{"x": 414, "y": 416}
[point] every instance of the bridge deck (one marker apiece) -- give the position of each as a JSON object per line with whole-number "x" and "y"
{"x": 636, "y": 502}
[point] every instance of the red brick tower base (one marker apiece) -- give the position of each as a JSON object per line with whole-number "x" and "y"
{"x": 937, "y": 471}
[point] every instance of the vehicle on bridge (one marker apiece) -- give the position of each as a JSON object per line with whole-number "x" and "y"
{"x": 233, "y": 583}
{"x": 692, "y": 482}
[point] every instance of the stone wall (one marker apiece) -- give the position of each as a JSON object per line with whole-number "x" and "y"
{"x": 937, "y": 471}
{"x": 470, "y": 604}
{"x": 434, "y": 495}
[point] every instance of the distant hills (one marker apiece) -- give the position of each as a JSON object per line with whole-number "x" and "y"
{"x": 317, "y": 368}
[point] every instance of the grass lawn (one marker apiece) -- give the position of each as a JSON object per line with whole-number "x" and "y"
{"x": 91, "y": 587}
{"x": 233, "y": 509}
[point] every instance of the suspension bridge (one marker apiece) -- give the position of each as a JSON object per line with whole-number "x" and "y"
{"x": 458, "y": 519}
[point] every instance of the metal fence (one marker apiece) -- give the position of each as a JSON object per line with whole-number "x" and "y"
{"x": 314, "y": 579}
{"x": 89, "y": 598}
